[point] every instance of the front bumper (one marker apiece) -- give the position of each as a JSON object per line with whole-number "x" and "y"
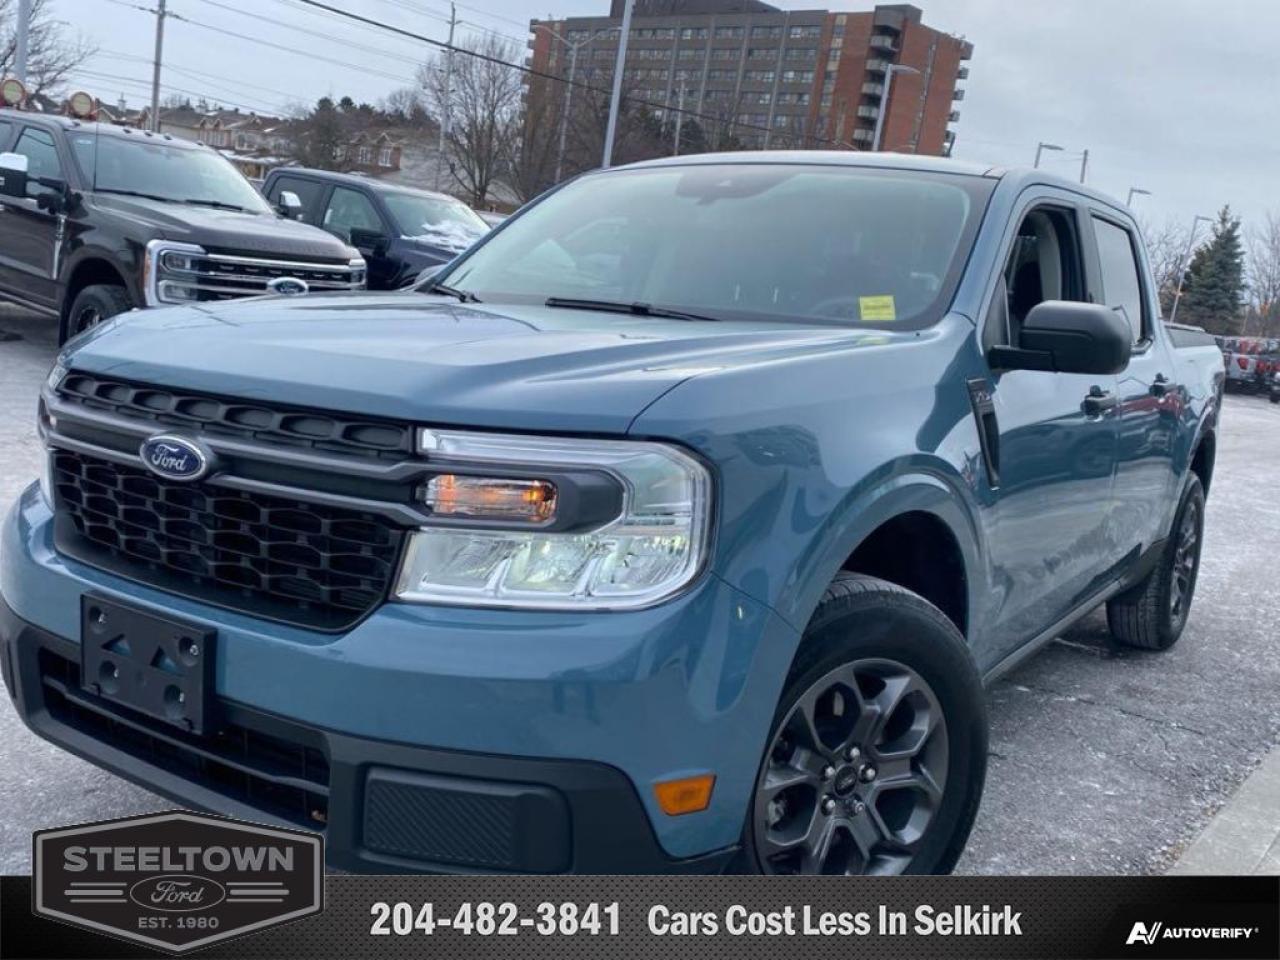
{"x": 430, "y": 738}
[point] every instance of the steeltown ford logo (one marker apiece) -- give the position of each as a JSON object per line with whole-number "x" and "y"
{"x": 288, "y": 286}
{"x": 177, "y": 880}
{"x": 174, "y": 458}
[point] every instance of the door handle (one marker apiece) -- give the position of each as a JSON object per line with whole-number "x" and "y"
{"x": 1160, "y": 386}
{"x": 1099, "y": 401}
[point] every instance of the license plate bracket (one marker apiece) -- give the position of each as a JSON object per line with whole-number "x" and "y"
{"x": 153, "y": 664}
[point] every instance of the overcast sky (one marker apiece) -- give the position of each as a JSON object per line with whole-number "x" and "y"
{"x": 1179, "y": 97}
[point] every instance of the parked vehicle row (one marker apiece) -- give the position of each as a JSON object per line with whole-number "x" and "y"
{"x": 679, "y": 522}
{"x": 1251, "y": 362}
{"x": 97, "y": 219}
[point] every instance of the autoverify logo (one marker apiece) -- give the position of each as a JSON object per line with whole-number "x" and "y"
{"x": 1151, "y": 933}
{"x": 177, "y": 880}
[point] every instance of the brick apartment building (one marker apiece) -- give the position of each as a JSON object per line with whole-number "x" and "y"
{"x": 778, "y": 78}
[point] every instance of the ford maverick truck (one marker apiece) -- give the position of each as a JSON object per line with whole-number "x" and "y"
{"x": 675, "y": 526}
{"x": 97, "y": 219}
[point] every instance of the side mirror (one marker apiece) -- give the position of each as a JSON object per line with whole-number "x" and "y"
{"x": 13, "y": 175}
{"x": 369, "y": 242}
{"x": 289, "y": 205}
{"x": 1061, "y": 336}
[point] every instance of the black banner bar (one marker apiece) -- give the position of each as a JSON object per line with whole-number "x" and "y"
{"x": 674, "y": 918}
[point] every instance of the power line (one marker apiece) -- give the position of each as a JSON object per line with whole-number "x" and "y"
{"x": 530, "y": 71}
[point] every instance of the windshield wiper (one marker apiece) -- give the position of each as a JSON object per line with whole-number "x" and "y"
{"x": 136, "y": 193}
{"x": 217, "y": 204}
{"x": 462, "y": 296}
{"x": 635, "y": 309}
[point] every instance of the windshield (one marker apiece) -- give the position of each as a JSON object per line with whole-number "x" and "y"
{"x": 880, "y": 248}
{"x": 439, "y": 221}
{"x": 157, "y": 169}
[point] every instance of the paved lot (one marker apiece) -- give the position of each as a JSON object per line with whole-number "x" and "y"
{"x": 1103, "y": 760}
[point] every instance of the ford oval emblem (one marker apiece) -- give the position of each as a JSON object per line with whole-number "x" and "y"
{"x": 177, "y": 893}
{"x": 288, "y": 286}
{"x": 174, "y": 458}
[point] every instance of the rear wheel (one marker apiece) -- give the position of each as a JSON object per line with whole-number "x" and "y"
{"x": 1152, "y": 614}
{"x": 94, "y": 305}
{"x": 877, "y": 757}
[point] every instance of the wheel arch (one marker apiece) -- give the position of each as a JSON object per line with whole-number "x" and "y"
{"x": 918, "y": 532}
{"x": 93, "y": 267}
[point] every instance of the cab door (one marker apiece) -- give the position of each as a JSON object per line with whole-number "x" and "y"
{"x": 1049, "y": 538}
{"x": 1150, "y": 402}
{"x": 30, "y": 235}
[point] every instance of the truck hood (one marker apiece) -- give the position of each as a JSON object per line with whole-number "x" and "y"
{"x": 227, "y": 230}
{"x": 430, "y": 359}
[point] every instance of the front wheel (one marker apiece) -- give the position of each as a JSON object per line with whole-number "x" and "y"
{"x": 94, "y": 305}
{"x": 878, "y": 753}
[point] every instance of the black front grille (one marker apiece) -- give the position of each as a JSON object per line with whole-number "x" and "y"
{"x": 268, "y": 556}
{"x": 281, "y": 775}
{"x": 246, "y": 420}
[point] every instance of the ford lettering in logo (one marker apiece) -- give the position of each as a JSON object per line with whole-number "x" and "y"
{"x": 177, "y": 893}
{"x": 174, "y": 458}
{"x": 288, "y": 286}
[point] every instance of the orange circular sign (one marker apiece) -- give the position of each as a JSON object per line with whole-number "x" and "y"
{"x": 12, "y": 92}
{"x": 81, "y": 104}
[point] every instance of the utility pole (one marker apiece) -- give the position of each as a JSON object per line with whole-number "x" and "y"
{"x": 1084, "y": 165}
{"x": 23, "y": 35}
{"x": 161, "y": 13}
{"x": 619, "y": 67}
{"x": 1186, "y": 264}
{"x": 679, "y": 117}
{"x": 445, "y": 105}
{"x": 1135, "y": 192}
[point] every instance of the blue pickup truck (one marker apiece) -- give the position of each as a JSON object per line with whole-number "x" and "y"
{"x": 675, "y": 526}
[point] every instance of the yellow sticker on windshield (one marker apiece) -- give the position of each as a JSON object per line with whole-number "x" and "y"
{"x": 877, "y": 308}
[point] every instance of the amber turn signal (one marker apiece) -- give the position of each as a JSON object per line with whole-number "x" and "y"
{"x": 686, "y": 795}
{"x": 495, "y": 498}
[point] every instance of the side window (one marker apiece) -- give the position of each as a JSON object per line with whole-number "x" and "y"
{"x": 1044, "y": 264}
{"x": 42, "y": 158}
{"x": 308, "y": 191}
{"x": 6, "y": 131}
{"x": 350, "y": 210}
{"x": 1121, "y": 281}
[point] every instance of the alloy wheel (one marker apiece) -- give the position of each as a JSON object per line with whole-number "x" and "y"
{"x": 855, "y": 774}
{"x": 86, "y": 318}
{"x": 1186, "y": 559}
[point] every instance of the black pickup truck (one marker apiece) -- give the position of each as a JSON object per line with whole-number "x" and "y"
{"x": 97, "y": 219}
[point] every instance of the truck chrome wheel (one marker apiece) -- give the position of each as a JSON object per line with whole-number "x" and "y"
{"x": 1186, "y": 562}
{"x": 86, "y": 318}
{"x": 854, "y": 776}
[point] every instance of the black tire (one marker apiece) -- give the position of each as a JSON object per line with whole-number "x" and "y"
{"x": 1275, "y": 397}
{"x": 912, "y": 671}
{"x": 92, "y": 306}
{"x": 1152, "y": 614}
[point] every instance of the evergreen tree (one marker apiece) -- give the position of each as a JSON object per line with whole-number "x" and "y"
{"x": 1214, "y": 289}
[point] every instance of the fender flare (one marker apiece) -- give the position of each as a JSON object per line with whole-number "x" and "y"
{"x": 864, "y": 511}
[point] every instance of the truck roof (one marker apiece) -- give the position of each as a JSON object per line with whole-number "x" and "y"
{"x": 1017, "y": 176}
{"x": 355, "y": 179}
{"x": 68, "y": 124}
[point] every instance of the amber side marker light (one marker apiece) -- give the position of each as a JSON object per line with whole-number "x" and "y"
{"x": 686, "y": 795}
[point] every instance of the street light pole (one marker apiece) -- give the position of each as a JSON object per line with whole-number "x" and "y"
{"x": 21, "y": 41}
{"x": 679, "y": 117}
{"x": 1135, "y": 192}
{"x": 1041, "y": 148}
{"x": 1084, "y": 165}
{"x": 615, "y": 101}
{"x": 884, "y": 100}
{"x": 1186, "y": 263}
{"x": 155, "y": 67}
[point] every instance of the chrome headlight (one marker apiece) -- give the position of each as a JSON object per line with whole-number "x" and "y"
{"x": 507, "y": 534}
{"x": 171, "y": 272}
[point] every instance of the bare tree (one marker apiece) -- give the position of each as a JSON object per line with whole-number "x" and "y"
{"x": 480, "y": 99}
{"x": 51, "y": 53}
{"x": 535, "y": 146}
{"x": 1166, "y": 249}
{"x": 1263, "y": 266}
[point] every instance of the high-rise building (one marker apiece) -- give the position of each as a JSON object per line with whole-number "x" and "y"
{"x": 773, "y": 77}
